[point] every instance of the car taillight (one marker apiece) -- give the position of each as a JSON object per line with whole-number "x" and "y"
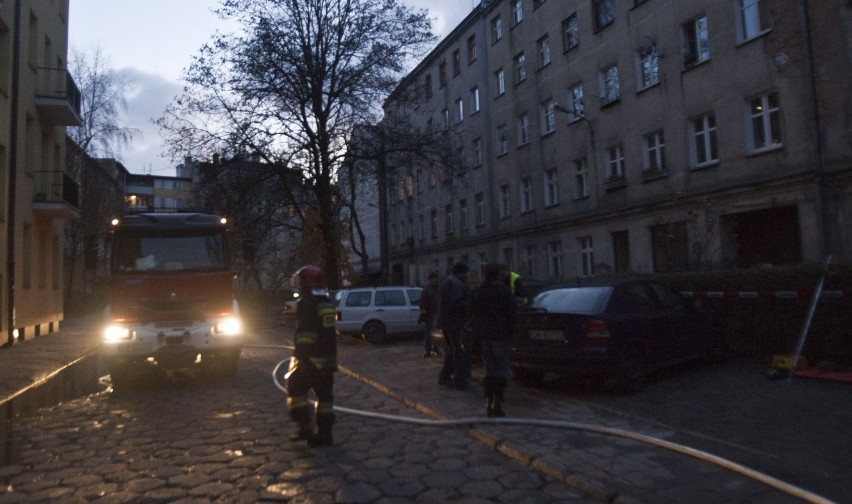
{"x": 339, "y": 316}
{"x": 597, "y": 333}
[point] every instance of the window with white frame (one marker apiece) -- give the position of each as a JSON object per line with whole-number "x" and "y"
{"x": 520, "y": 68}
{"x": 604, "y": 13}
{"x": 477, "y": 151}
{"x": 543, "y": 51}
{"x": 500, "y": 78}
{"x": 570, "y": 32}
{"x": 433, "y": 223}
{"x": 615, "y": 163}
{"x": 609, "y": 84}
{"x": 459, "y": 110}
{"x": 479, "y": 202}
{"x": 752, "y": 19}
{"x": 526, "y": 195}
{"x": 696, "y": 41}
{"x": 578, "y": 107}
{"x": 704, "y": 146}
{"x": 554, "y": 259}
{"x": 463, "y": 220}
{"x": 581, "y": 178}
{"x": 548, "y": 116}
{"x": 448, "y": 219}
{"x": 502, "y": 139}
{"x": 433, "y": 175}
{"x": 517, "y": 11}
{"x": 551, "y": 187}
{"x": 586, "y": 265}
{"x": 530, "y": 260}
{"x": 474, "y": 100}
{"x": 505, "y": 208}
{"x": 456, "y": 62}
{"x": 765, "y": 115}
{"x": 523, "y": 129}
{"x": 496, "y": 29}
{"x": 649, "y": 66}
{"x": 654, "y": 159}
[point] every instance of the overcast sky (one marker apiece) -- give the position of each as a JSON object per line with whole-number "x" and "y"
{"x": 152, "y": 41}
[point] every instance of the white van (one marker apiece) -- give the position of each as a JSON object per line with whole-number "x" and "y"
{"x": 376, "y": 312}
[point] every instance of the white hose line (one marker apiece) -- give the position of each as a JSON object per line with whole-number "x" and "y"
{"x": 767, "y": 480}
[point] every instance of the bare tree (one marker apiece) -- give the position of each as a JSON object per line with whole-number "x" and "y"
{"x": 292, "y": 87}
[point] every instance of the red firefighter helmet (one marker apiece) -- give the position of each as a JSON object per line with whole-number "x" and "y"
{"x": 310, "y": 277}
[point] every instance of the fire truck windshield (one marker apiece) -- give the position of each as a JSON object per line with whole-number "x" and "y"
{"x": 133, "y": 253}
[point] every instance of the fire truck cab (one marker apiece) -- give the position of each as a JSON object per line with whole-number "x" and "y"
{"x": 171, "y": 296}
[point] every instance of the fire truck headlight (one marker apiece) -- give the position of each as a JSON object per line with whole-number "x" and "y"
{"x": 228, "y": 326}
{"x": 114, "y": 333}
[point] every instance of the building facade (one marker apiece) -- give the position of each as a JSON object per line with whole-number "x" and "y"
{"x": 38, "y": 100}
{"x": 646, "y": 136}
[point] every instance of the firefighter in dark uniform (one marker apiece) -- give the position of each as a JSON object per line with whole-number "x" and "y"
{"x": 314, "y": 359}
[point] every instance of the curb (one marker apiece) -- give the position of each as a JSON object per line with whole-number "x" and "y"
{"x": 590, "y": 488}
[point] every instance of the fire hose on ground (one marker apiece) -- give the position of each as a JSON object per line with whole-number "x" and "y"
{"x": 767, "y": 480}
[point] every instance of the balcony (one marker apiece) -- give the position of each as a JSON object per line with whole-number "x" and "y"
{"x": 57, "y": 97}
{"x": 56, "y": 195}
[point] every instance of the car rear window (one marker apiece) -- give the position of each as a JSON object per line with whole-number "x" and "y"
{"x": 359, "y": 298}
{"x": 394, "y": 297}
{"x": 573, "y": 299}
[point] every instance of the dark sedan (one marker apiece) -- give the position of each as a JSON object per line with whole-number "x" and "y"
{"x": 617, "y": 331}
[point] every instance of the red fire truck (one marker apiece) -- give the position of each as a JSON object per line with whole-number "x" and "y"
{"x": 171, "y": 296}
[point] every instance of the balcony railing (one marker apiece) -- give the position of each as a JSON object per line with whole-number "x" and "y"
{"x": 56, "y": 194}
{"x": 57, "y": 97}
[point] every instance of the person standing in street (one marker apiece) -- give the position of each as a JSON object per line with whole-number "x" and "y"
{"x": 428, "y": 311}
{"x": 453, "y": 306}
{"x": 314, "y": 360}
{"x": 493, "y": 310}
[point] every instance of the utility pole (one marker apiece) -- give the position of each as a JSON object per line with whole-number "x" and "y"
{"x": 13, "y": 172}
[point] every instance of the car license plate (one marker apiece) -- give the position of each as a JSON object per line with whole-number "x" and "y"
{"x": 539, "y": 334}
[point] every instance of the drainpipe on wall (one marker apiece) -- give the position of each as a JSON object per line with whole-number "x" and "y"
{"x": 13, "y": 171}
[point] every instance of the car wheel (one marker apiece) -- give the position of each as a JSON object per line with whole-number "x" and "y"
{"x": 632, "y": 372}
{"x": 527, "y": 377}
{"x": 374, "y": 332}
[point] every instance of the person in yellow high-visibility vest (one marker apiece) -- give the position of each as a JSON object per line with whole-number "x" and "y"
{"x": 516, "y": 285}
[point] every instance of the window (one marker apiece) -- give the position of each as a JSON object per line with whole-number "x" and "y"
{"x": 604, "y": 13}
{"x": 496, "y": 29}
{"x": 551, "y": 187}
{"x": 554, "y": 259}
{"x": 581, "y": 178}
{"x": 477, "y": 151}
{"x": 578, "y": 109}
{"x": 459, "y": 110}
{"x": 463, "y": 221}
{"x": 586, "y": 267}
{"x": 543, "y": 51}
{"x": 705, "y": 149}
{"x": 696, "y": 41}
{"x": 479, "y": 201}
{"x": 751, "y": 19}
{"x": 654, "y": 159}
{"x": 620, "y": 251}
{"x": 427, "y": 86}
{"x": 523, "y": 129}
{"x": 421, "y": 229}
{"x": 610, "y": 87}
{"x": 433, "y": 222}
{"x": 570, "y": 32}
{"x": 442, "y": 74}
{"x": 394, "y": 297}
{"x": 471, "y": 49}
{"x": 649, "y": 66}
{"x": 548, "y": 116}
{"x": 456, "y": 62}
{"x": 418, "y": 179}
{"x": 615, "y": 163}
{"x": 517, "y": 11}
{"x": 500, "y": 77}
{"x": 526, "y": 195}
{"x": 448, "y": 219}
{"x": 529, "y": 260}
{"x": 483, "y": 260}
{"x": 474, "y": 100}
{"x": 537, "y": 3}
{"x": 765, "y": 117}
{"x": 520, "y": 68}
{"x": 502, "y": 139}
{"x": 670, "y": 247}
{"x": 505, "y": 209}
{"x": 433, "y": 175}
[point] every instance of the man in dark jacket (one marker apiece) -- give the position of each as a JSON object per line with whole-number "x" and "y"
{"x": 493, "y": 310}
{"x": 452, "y": 315}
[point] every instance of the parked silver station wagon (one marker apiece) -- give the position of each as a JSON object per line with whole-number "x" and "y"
{"x": 377, "y": 312}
